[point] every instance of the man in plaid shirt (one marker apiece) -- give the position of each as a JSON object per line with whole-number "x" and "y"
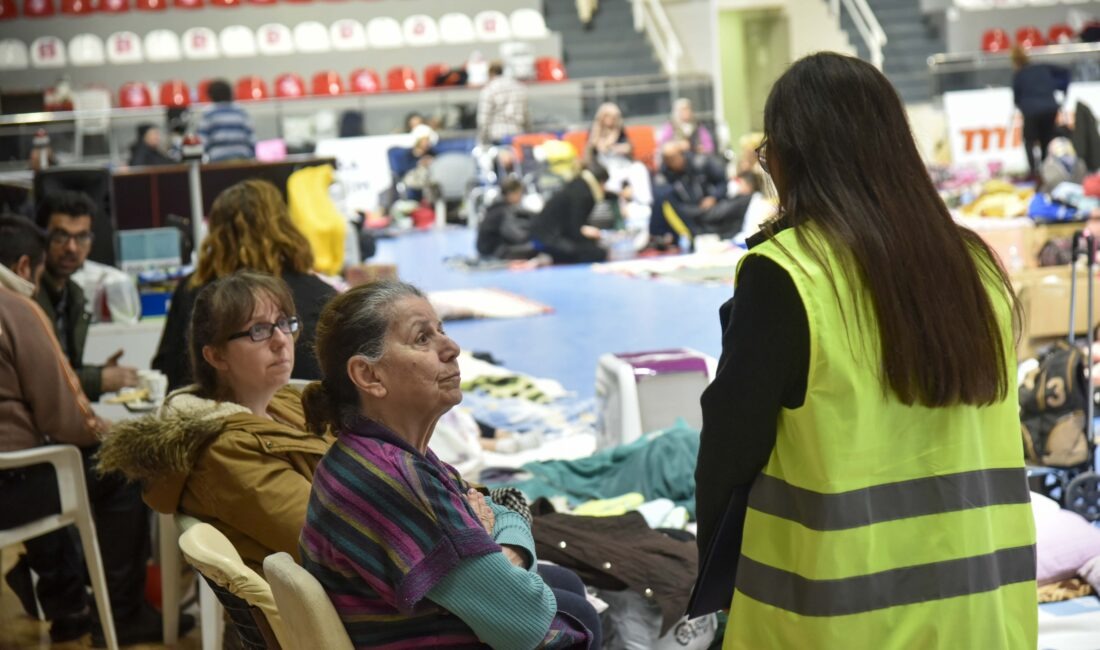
{"x": 501, "y": 108}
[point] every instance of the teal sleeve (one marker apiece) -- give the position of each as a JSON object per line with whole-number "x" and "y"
{"x": 504, "y": 605}
{"x": 512, "y": 529}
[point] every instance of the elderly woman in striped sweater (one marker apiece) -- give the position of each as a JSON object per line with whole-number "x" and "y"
{"x": 410, "y": 555}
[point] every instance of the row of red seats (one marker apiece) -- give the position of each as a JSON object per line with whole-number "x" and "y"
{"x": 996, "y": 40}
{"x": 44, "y": 8}
{"x": 175, "y": 93}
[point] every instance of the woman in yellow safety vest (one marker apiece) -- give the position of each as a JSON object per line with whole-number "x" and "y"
{"x": 860, "y": 481}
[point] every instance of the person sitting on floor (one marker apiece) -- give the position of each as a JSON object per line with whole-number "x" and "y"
{"x": 690, "y": 198}
{"x": 408, "y": 552}
{"x": 250, "y": 228}
{"x": 505, "y": 232}
{"x": 231, "y": 449}
{"x": 561, "y": 229}
{"x": 41, "y": 403}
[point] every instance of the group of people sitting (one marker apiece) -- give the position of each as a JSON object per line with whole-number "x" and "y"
{"x": 340, "y": 476}
{"x": 690, "y": 194}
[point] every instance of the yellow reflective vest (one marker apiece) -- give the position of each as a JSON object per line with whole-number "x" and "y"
{"x": 879, "y": 525}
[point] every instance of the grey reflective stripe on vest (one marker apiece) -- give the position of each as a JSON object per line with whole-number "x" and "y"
{"x": 931, "y": 495}
{"x": 905, "y": 586}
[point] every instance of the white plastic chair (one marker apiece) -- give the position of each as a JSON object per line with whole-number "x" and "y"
{"x": 162, "y": 46}
{"x": 84, "y": 101}
{"x": 311, "y": 36}
{"x": 456, "y": 29}
{"x": 13, "y": 55}
{"x": 212, "y": 554}
{"x": 200, "y": 43}
{"x": 237, "y": 41}
{"x": 348, "y": 35}
{"x": 211, "y": 619}
{"x": 86, "y": 50}
{"x": 420, "y": 30}
{"x": 384, "y": 33}
{"x": 124, "y": 48}
{"x": 491, "y": 26}
{"x": 274, "y": 39}
{"x": 75, "y": 510}
{"x": 528, "y": 23}
{"x": 48, "y": 52}
{"x": 308, "y": 615}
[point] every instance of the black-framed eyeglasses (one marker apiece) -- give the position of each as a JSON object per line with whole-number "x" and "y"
{"x": 263, "y": 331}
{"x": 62, "y": 238}
{"x": 762, "y": 156}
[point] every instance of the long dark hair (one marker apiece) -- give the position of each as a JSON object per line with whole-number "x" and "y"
{"x": 843, "y": 158}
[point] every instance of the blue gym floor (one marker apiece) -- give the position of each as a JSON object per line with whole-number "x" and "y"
{"x": 594, "y": 313}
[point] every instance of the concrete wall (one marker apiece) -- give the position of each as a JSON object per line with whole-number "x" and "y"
{"x": 253, "y": 16}
{"x": 964, "y": 28}
{"x": 691, "y": 21}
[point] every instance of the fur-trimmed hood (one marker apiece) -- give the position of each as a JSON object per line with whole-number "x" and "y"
{"x": 159, "y": 451}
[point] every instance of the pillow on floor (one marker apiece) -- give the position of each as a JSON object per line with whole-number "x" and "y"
{"x": 1065, "y": 541}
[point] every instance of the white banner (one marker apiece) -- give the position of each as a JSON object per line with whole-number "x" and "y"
{"x": 983, "y": 127}
{"x": 363, "y": 167}
{"x": 1085, "y": 91}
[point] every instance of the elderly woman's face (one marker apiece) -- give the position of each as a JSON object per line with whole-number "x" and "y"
{"x": 419, "y": 367}
{"x": 685, "y": 113}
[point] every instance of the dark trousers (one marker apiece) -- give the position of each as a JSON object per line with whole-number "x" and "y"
{"x": 578, "y": 251}
{"x": 569, "y": 592}
{"x": 122, "y": 527}
{"x": 1038, "y": 129}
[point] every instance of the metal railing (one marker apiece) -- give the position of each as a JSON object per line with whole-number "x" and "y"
{"x": 866, "y": 24}
{"x": 970, "y": 70}
{"x": 650, "y": 17}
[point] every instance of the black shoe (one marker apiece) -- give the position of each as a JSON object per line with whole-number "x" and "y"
{"x": 70, "y": 628}
{"x": 144, "y": 627}
{"x": 19, "y": 579}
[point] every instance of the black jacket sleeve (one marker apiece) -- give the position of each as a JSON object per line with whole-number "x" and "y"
{"x": 172, "y": 357}
{"x": 763, "y": 369}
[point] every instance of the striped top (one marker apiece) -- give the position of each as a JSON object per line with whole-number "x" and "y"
{"x": 226, "y": 132}
{"x": 387, "y": 532}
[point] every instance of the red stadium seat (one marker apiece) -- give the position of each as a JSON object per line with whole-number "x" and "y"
{"x": 225, "y": 3}
{"x": 547, "y": 68}
{"x": 1027, "y": 37}
{"x": 433, "y": 72}
{"x": 8, "y": 10}
{"x": 113, "y": 6}
{"x": 38, "y": 8}
{"x": 204, "y": 90}
{"x": 152, "y": 5}
{"x": 76, "y": 7}
{"x": 995, "y": 40}
{"x": 175, "y": 94}
{"x": 290, "y": 85}
{"x": 401, "y": 79}
{"x": 1061, "y": 33}
{"x": 134, "y": 94}
{"x": 187, "y": 4}
{"x": 327, "y": 82}
{"x": 365, "y": 80}
{"x": 250, "y": 88}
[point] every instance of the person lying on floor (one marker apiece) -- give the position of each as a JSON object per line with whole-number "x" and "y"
{"x": 409, "y": 554}
{"x": 231, "y": 449}
{"x": 561, "y": 229}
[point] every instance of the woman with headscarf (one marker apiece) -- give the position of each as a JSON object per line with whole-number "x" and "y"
{"x": 683, "y": 127}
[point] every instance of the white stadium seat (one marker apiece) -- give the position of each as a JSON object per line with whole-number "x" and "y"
{"x": 348, "y": 35}
{"x": 492, "y": 25}
{"x": 420, "y": 30}
{"x": 200, "y": 43}
{"x": 528, "y": 23}
{"x": 86, "y": 50}
{"x": 13, "y": 55}
{"x": 162, "y": 46}
{"x": 48, "y": 52}
{"x": 384, "y": 32}
{"x": 274, "y": 39}
{"x": 456, "y": 29}
{"x": 124, "y": 48}
{"x": 311, "y": 36}
{"x": 237, "y": 41}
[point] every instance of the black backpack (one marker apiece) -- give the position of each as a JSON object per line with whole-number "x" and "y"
{"x": 1053, "y": 403}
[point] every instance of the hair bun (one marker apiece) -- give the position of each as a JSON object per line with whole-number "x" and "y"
{"x": 318, "y": 407}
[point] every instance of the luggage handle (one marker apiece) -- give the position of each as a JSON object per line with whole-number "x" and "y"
{"x": 1090, "y": 270}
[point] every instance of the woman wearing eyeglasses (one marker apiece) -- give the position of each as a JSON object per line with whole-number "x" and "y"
{"x": 250, "y": 228}
{"x": 232, "y": 448}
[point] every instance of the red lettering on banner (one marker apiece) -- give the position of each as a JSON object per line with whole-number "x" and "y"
{"x": 990, "y": 138}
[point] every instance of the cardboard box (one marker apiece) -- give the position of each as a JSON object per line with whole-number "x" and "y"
{"x": 1017, "y": 242}
{"x": 1044, "y": 297}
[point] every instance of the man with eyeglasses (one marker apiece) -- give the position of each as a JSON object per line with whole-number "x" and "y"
{"x": 66, "y": 216}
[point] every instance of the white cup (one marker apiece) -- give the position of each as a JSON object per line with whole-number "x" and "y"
{"x": 155, "y": 382}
